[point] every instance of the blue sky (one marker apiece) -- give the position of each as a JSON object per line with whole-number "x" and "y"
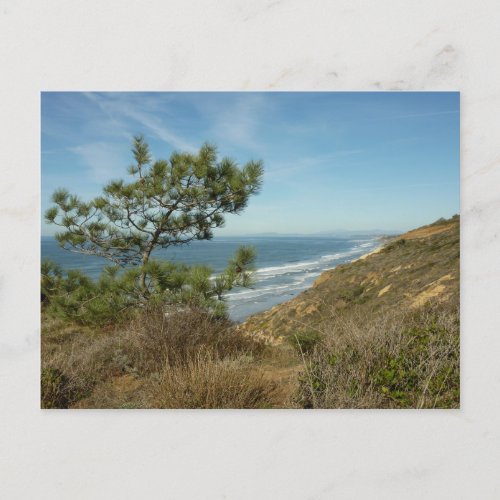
{"x": 333, "y": 160}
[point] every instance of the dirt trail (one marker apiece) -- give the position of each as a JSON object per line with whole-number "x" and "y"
{"x": 282, "y": 366}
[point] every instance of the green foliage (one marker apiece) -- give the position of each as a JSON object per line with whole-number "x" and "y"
{"x": 116, "y": 295}
{"x": 353, "y": 294}
{"x": 167, "y": 203}
{"x": 305, "y": 341}
{"x": 398, "y": 376}
{"x": 76, "y": 297}
{"x": 395, "y": 361}
{"x": 196, "y": 286}
{"x": 395, "y": 244}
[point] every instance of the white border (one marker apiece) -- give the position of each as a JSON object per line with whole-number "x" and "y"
{"x": 241, "y": 45}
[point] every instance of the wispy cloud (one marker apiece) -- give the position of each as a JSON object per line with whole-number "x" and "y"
{"x": 399, "y": 187}
{"x": 122, "y": 109}
{"x": 103, "y": 160}
{"x": 237, "y": 122}
{"x": 411, "y": 115}
{"x": 374, "y": 158}
{"x": 308, "y": 162}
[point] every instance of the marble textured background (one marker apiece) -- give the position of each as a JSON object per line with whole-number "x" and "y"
{"x": 240, "y": 45}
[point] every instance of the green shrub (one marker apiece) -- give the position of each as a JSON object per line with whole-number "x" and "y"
{"x": 305, "y": 341}
{"x": 355, "y": 295}
{"x": 117, "y": 295}
{"x": 398, "y": 360}
{"x": 75, "y": 297}
{"x": 393, "y": 245}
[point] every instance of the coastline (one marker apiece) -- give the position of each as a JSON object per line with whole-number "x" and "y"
{"x": 278, "y": 280}
{"x": 366, "y": 255}
{"x": 287, "y": 292}
{"x": 387, "y": 280}
{"x": 324, "y": 276}
{"x": 384, "y": 240}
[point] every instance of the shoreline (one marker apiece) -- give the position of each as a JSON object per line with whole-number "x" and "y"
{"x": 379, "y": 281}
{"x": 323, "y": 275}
{"x": 366, "y": 255}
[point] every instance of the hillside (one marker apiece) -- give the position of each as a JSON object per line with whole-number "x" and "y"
{"x": 412, "y": 270}
{"x": 379, "y": 332}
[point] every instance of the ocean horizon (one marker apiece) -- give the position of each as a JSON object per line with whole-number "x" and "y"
{"x": 284, "y": 267}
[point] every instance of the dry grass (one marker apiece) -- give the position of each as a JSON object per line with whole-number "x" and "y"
{"x": 75, "y": 359}
{"x": 382, "y": 332}
{"x": 396, "y": 360}
{"x": 357, "y": 360}
{"x": 156, "y": 339}
{"x": 194, "y": 354}
{"x": 208, "y": 381}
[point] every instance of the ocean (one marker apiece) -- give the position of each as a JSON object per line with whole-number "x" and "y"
{"x": 285, "y": 265}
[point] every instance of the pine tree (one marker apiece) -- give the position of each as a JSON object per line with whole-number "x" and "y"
{"x": 166, "y": 203}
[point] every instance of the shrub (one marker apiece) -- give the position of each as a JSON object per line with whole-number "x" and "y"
{"x": 116, "y": 296}
{"x": 160, "y": 336}
{"x": 84, "y": 363}
{"x": 393, "y": 245}
{"x": 305, "y": 341}
{"x": 209, "y": 381}
{"x": 399, "y": 360}
{"x": 55, "y": 388}
{"x": 75, "y": 297}
{"x": 77, "y": 359}
{"x": 353, "y": 294}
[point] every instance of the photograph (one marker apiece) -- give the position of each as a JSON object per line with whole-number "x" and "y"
{"x": 250, "y": 250}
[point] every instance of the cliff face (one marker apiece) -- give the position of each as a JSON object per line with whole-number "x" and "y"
{"x": 416, "y": 268}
